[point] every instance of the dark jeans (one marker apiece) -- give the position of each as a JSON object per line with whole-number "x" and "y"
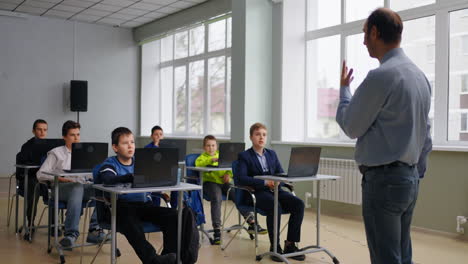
{"x": 389, "y": 195}
{"x": 287, "y": 202}
{"x": 130, "y": 218}
{"x": 214, "y": 191}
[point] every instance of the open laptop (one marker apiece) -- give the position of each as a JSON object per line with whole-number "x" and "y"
{"x": 228, "y": 153}
{"x": 303, "y": 162}
{"x": 40, "y": 148}
{"x": 85, "y": 156}
{"x": 180, "y": 144}
{"x": 155, "y": 167}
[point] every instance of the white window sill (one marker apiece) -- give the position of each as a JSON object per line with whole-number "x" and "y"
{"x": 453, "y": 148}
{"x": 187, "y": 137}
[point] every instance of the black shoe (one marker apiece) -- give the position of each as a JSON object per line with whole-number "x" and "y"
{"x": 260, "y": 230}
{"x": 170, "y": 258}
{"x": 217, "y": 237}
{"x": 279, "y": 251}
{"x": 291, "y": 248}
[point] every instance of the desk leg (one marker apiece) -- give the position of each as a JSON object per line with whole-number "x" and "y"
{"x": 318, "y": 213}
{"x": 317, "y": 247}
{"x": 275, "y": 230}
{"x": 56, "y": 210}
{"x": 275, "y": 219}
{"x": 113, "y": 226}
{"x": 179, "y": 224}
{"x": 25, "y": 203}
{"x": 56, "y": 216}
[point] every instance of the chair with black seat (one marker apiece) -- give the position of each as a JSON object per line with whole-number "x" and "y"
{"x": 195, "y": 178}
{"x": 103, "y": 207}
{"x": 244, "y": 204}
{"x": 47, "y": 195}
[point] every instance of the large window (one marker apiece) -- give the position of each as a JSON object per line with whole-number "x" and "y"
{"x": 458, "y": 72}
{"x": 188, "y": 75}
{"x": 334, "y": 33}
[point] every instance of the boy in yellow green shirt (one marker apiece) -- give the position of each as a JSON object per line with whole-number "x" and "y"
{"x": 215, "y": 184}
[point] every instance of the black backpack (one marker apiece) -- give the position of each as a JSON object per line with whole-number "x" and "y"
{"x": 190, "y": 237}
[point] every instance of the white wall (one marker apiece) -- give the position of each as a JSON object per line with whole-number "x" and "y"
{"x": 38, "y": 58}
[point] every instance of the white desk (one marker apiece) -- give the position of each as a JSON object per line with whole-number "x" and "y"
{"x": 25, "y": 200}
{"x": 56, "y": 175}
{"x": 114, "y": 191}
{"x": 308, "y": 249}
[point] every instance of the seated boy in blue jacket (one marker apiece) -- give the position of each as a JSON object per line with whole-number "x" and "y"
{"x": 259, "y": 160}
{"x": 136, "y": 208}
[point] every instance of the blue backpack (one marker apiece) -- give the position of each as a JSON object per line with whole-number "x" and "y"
{"x": 193, "y": 200}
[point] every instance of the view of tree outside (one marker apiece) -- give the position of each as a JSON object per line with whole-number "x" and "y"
{"x": 458, "y": 76}
{"x": 180, "y": 85}
{"x": 323, "y": 87}
{"x": 197, "y": 40}
{"x": 418, "y": 42}
{"x": 197, "y": 102}
{"x": 197, "y": 86}
{"x": 216, "y": 82}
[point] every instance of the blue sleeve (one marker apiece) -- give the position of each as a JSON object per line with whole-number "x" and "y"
{"x": 107, "y": 175}
{"x": 356, "y": 114}
{"x": 242, "y": 177}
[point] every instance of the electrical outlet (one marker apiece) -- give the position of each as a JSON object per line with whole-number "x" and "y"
{"x": 308, "y": 197}
{"x": 460, "y": 221}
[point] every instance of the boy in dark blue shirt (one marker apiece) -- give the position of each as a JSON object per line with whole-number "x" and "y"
{"x": 134, "y": 209}
{"x": 157, "y": 134}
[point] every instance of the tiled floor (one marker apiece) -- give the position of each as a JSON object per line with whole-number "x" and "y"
{"x": 344, "y": 237}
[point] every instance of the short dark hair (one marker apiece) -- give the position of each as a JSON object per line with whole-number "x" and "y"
{"x": 256, "y": 126}
{"x": 69, "y": 125}
{"x": 156, "y": 128}
{"x": 118, "y": 132}
{"x": 388, "y": 24}
{"x": 208, "y": 137}
{"x": 37, "y": 122}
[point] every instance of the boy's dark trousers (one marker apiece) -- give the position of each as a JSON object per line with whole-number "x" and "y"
{"x": 130, "y": 218}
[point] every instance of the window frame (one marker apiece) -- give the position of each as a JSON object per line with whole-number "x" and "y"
{"x": 186, "y": 61}
{"x": 441, "y": 10}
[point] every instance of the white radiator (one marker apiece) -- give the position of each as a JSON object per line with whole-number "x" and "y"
{"x": 345, "y": 190}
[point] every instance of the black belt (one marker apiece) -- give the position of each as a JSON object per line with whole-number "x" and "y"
{"x": 363, "y": 168}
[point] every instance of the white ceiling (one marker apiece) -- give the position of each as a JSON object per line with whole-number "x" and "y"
{"x": 124, "y": 13}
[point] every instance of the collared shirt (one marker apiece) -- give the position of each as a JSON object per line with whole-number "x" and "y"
{"x": 388, "y": 113}
{"x": 262, "y": 160}
{"x": 58, "y": 159}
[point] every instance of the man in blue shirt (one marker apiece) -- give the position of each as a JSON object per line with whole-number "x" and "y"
{"x": 388, "y": 114}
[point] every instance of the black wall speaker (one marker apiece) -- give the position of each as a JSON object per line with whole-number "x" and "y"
{"x": 78, "y": 96}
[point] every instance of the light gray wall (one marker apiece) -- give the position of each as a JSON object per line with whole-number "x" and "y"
{"x": 251, "y": 93}
{"x": 38, "y": 58}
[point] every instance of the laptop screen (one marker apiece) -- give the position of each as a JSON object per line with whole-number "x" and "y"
{"x": 228, "y": 152}
{"x": 42, "y": 146}
{"x": 304, "y": 161}
{"x": 180, "y": 144}
{"x": 155, "y": 167}
{"x": 85, "y": 156}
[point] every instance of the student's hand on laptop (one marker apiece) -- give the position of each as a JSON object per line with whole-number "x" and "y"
{"x": 226, "y": 178}
{"x": 214, "y": 159}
